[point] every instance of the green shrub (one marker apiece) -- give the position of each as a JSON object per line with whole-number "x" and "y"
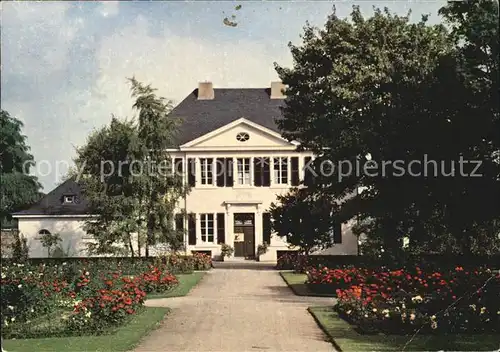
{"x": 24, "y": 298}
{"x": 226, "y": 250}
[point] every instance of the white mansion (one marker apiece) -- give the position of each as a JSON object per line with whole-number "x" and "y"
{"x": 236, "y": 162}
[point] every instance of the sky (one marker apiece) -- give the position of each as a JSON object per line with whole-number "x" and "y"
{"x": 65, "y": 64}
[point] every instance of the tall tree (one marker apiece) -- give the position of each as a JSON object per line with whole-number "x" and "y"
{"x": 103, "y": 170}
{"x": 129, "y": 179}
{"x": 160, "y": 188}
{"x": 473, "y": 208}
{"x": 18, "y": 188}
{"x": 303, "y": 218}
{"x": 381, "y": 86}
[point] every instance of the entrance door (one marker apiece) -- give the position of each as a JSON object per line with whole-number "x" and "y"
{"x": 244, "y": 235}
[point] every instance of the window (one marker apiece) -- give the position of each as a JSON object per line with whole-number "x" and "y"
{"x": 243, "y": 166}
{"x": 207, "y": 177}
{"x": 179, "y": 222}
{"x": 42, "y": 233}
{"x": 69, "y": 199}
{"x": 207, "y": 227}
{"x": 261, "y": 170}
{"x": 242, "y": 137}
{"x": 224, "y": 172}
{"x": 191, "y": 172}
{"x": 281, "y": 170}
{"x": 178, "y": 167}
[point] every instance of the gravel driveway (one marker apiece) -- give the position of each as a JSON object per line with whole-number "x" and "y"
{"x": 238, "y": 310}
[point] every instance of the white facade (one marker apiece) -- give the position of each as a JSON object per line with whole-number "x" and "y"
{"x": 69, "y": 228}
{"x": 246, "y": 198}
{"x": 207, "y": 198}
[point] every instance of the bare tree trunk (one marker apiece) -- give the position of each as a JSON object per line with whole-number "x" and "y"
{"x": 130, "y": 246}
{"x": 139, "y": 248}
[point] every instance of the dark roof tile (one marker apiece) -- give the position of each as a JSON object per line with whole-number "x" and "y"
{"x": 199, "y": 117}
{"x": 52, "y": 203}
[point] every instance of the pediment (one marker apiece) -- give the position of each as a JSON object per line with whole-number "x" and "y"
{"x": 240, "y": 134}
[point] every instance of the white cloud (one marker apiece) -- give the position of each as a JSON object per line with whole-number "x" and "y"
{"x": 38, "y": 37}
{"x": 175, "y": 64}
{"x": 55, "y": 121}
{"x": 108, "y": 8}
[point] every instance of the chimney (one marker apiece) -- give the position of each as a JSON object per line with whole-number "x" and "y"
{"x": 205, "y": 91}
{"x": 276, "y": 90}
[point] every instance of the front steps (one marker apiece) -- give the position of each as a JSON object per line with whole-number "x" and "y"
{"x": 242, "y": 263}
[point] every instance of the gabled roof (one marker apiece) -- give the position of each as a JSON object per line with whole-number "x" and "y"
{"x": 200, "y": 117}
{"x": 52, "y": 203}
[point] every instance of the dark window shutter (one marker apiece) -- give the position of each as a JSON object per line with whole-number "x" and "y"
{"x": 221, "y": 228}
{"x": 229, "y": 172}
{"x": 178, "y": 167}
{"x": 266, "y": 172}
{"x": 191, "y": 172}
{"x": 295, "y": 171}
{"x": 308, "y": 176}
{"x": 191, "y": 229}
{"x": 257, "y": 172}
{"x": 337, "y": 233}
{"x": 221, "y": 171}
{"x": 266, "y": 227}
{"x": 179, "y": 223}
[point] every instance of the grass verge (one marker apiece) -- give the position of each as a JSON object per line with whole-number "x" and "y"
{"x": 186, "y": 283}
{"x": 297, "y": 284}
{"x": 346, "y": 339}
{"x": 124, "y": 338}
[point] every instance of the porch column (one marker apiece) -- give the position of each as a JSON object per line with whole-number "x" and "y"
{"x": 271, "y": 170}
{"x": 229, "y": 226}
{"x": 258, "y": 227}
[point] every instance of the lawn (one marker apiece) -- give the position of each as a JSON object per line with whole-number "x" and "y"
{"x": 296, "y": 282}
{"x": 124, "y": 338}
{"x": 345, "y": 338}
{"x": 186, "y": 283}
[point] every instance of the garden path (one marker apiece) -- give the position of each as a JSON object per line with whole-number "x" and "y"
{"x": 238, "y": 310}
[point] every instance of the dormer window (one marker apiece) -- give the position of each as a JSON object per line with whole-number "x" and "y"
{"x": 69, "y": 199}
{"x": 242, "y": 137}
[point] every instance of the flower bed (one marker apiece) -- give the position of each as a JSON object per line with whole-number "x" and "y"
{"x": 293, "y": 261}
{"x": 156, "y": 280}
{"x": 201, "y": 261}
{"x": 65, "y": 300}
{"x": 325, "y": 280}
{"x": 404, "y": 301}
